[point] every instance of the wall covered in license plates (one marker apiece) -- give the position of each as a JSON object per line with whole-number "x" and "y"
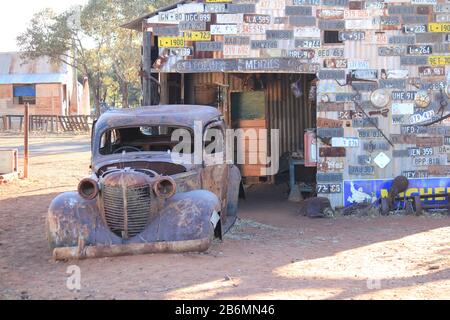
{"x": 383, "y": 70}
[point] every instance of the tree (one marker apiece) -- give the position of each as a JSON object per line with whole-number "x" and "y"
{"x": 52, "y": 35}
{"x": 90, "y": 39}
{"x": 123, "y": 46}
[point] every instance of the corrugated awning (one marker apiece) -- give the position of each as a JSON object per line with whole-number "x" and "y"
{"x": 33, "y": 78}
{"x": 137, "y": 23}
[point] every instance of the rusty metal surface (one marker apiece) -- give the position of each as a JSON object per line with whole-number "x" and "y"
{"x": 175, "y": 115}
{"x": 328, "y": 123}
{"x": 13, "y": 64}
{"x": 136, "y": 209}
{"x": 332, "y": 152}
{"x": 186, "y": 216}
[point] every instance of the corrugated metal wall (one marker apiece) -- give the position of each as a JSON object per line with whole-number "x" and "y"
{"x": 289, "y": 114}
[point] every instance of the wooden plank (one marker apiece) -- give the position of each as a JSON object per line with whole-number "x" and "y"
{"x": 69, "y": 124}
{"x": 251, "y": 123}
{"x": 62, "y": 123}
{"x": 253, "y": 170}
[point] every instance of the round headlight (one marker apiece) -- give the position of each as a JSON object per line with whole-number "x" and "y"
{"x": 165, "y": 187}
{"x": 88, "y": 189}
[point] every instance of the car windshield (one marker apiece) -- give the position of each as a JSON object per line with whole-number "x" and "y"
{"x": 157, "y": 138}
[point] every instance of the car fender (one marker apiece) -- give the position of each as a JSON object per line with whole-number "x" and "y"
{"x": 186, "y": 216}
{"x": 71, "y": 218}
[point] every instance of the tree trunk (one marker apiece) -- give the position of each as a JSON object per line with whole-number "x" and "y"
{"x": 94, "y": 90}
{"x": 125, "y": 88}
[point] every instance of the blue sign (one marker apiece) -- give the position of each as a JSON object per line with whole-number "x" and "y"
{"x": 369, "y": 191}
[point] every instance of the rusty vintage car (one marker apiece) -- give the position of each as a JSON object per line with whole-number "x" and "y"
{"x": 138, "y": 199}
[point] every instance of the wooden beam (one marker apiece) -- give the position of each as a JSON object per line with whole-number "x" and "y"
{"x": 26, "y": 138}
{"x": 164, "y": 88}
{"x": 147, "y": 67}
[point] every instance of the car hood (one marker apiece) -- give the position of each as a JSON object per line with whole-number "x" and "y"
{"x": 101, "y": 161}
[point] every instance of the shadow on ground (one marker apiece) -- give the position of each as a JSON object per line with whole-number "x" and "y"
{"x": 276, "y": 255}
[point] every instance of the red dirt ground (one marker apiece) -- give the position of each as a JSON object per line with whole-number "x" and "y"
{"x": 272, "y": 252}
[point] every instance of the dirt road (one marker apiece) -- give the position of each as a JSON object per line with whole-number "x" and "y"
{"x": 271, "y": 252}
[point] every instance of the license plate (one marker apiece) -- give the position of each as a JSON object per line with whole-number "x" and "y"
{"x": 197, "y": 36}
{"x": 427, "y": 161}
{"x": 439, "y": 27}
{"x": 335, "y": 63}
{"x": 439, "y": 60}
{"x": 304, "y": 43}
{"x": 403, "y": 95}
{"x": 422, "y": 117}
{"x": 420, "y": 152}
{"x": 329, "y": 188}
{"x": 345, "y": 142}
{"x": 422, "y": 28}
{"x": 170, "y": 42}
{"x": 419, "y": 50}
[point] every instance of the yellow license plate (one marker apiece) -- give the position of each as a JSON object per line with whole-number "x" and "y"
{"x": 439, "y": 60}
{"x": 197, "y": 36}
{"x": 171, "y": 42}
{"x": 439, "y": 27}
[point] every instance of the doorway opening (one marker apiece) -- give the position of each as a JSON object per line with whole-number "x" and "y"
{"x": 284, "y": 106}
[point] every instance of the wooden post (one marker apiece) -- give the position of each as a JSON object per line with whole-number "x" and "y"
{"x": 5, "y": 123}
{"x": 163, "y": 80}
{"x": 182, "y": 89}
{"x": 21, "y": 123}
{"x": 147, "y": 68}
{"x": 26, "y": 137}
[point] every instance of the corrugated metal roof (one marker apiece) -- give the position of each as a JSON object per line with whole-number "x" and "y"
{"x": 12, "y": 63}
{"x": 137, "y": 23}
{"x": 33, "y": 78}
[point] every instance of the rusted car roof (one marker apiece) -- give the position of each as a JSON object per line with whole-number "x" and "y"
{"x": 177, "y": 115}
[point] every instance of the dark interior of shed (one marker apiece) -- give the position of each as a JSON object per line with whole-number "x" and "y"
{"x": 272, "y": 101}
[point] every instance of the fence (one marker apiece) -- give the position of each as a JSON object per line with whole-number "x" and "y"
{"x": 46, "y": 123}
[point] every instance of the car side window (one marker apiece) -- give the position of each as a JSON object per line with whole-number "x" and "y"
{"x": 104, "y": 141}
{"x": 115, "y": 137}
{"x": 214, "y": 140}
{"x": 108, "y": 141}
{"x": 214, "y": 144}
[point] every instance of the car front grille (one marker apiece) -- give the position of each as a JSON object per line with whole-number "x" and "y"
{"x": 127, "y": 210}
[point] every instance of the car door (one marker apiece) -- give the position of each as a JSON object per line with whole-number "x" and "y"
{"x": 215, "y": 168}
